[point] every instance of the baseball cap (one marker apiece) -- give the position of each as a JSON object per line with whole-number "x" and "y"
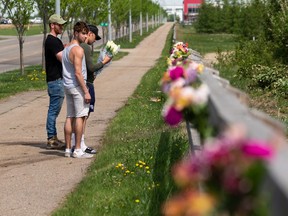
{"x": 95, "y": 30}
{"x": 55, "y": 18}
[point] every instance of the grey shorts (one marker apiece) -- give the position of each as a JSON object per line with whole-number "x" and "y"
{"x": 76, "y": 106}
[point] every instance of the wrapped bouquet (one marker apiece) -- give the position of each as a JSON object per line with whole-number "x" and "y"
{"x": 110, "y": 49}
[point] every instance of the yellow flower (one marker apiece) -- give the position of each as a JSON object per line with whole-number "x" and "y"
{"x": 200, "y": 68}
{"x": 137, "y": 201}
{"x": 147, "y": 167}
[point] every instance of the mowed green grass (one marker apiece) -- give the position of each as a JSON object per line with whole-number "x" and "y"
{"x": 10, "y": 30}
{"x": 205, "y": 43}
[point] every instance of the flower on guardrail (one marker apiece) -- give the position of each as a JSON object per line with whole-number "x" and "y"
{"x": 179, "y": 53}
{"x": 186, "y": 72}
{"x": 187, "y": 98}
{"x": 177, "y": 82}
{"x": 230, "y": 170}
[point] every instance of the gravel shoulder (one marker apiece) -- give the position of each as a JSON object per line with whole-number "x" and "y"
{"x": 33, "y": 180}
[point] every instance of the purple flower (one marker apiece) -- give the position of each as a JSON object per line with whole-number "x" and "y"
{"x": 191, "y": 75}
{"x": 176, "y": 73}
{"x": 172, "y": 116}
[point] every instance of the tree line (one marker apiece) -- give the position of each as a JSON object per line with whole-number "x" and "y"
{"x": 93, "y": 12}
{"x": 261, "y": 27}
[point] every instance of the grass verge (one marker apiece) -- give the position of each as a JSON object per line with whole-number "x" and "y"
{"x": 131, "y": 174}
{"x": 10, "y": 30}
{"x": 205, "y": 43}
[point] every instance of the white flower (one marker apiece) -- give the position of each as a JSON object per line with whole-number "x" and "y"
{"x": 112, "y": 48}
{"x": 202, "y": 93}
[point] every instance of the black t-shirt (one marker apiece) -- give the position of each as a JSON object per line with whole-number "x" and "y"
{"x": 53, "y": 45}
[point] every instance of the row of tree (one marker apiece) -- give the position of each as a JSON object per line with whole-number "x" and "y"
{"x": 262, "y": 27}
{"x": 93, "y": 12}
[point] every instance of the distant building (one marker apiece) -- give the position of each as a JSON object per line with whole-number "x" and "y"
{"x": 186, "y": 10}
{"x": 191, "y": 9}
{"x": 175, "y": 10}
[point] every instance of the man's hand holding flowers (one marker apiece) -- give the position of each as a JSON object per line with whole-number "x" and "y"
{"x": 107, "y": 53}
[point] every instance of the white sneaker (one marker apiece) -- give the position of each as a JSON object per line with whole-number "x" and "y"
{"x": 81, "y": 154}
{"x": 68, "y": 153}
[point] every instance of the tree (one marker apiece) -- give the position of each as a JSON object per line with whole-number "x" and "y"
{"x": 19, "y": 12}
{"x": 44, "y": 7}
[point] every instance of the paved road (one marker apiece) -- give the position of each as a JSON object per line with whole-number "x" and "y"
{"x": 32, "y": 51}
{"x": 34, "y": 181}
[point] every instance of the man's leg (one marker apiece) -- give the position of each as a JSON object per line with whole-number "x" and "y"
{"x": 84, "y": 147}
{"x": 56, "y": 97}
{"x": 78, "y": 129}
{"x": 68, "y": 131}
{"x": 81, "y": 111}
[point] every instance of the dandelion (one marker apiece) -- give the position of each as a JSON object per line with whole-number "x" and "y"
{"x": 137, "y": 201}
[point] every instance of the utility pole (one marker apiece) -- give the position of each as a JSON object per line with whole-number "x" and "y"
{"x": 130, "y": 24}
{"x": 141, "y": 25}
{"x": 57, "y": 7}
{"x": 109, "y": 21}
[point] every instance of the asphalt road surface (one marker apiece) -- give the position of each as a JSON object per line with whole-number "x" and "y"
{"x": 32, "y": 51}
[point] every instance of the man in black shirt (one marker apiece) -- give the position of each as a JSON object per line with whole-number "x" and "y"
{"x": 53, "y": 58}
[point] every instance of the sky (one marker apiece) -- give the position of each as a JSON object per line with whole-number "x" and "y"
{"x": 170, "y": 2}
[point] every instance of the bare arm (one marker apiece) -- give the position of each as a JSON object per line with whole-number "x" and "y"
{"x": 59, "y": 56}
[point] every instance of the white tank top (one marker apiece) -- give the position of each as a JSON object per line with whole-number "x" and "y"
{"x": 69, "y": 78}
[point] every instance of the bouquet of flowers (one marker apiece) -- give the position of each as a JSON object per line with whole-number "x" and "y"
{"x": 230, "y": 170}
{"x": 179, "y": 53}
{"x": 110, "y": 49}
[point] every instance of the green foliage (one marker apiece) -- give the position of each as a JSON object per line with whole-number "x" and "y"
{"x": 273, "y": 78}
{"x": 232, "y": 17}
{"x": 247, "y": 54}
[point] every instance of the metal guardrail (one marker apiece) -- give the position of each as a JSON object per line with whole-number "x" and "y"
{"x": 228, "y": 106}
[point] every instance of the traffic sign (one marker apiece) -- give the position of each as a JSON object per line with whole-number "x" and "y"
{"x": 104, "y": 24}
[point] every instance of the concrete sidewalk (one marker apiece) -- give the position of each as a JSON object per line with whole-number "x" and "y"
{"x": 34, "y": 181}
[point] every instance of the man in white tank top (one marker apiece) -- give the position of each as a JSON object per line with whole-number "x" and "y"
{"x": 77, "y": 94}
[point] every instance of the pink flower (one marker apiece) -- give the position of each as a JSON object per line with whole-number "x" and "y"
{"x": 257, "y": 149}
{"x": 176, "y": 73}
{"x": 172, "y": 116}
